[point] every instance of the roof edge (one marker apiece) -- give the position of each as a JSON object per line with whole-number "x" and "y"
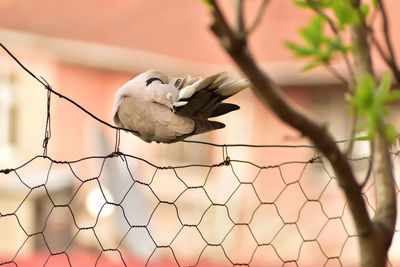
{"x": 117, "y": 58}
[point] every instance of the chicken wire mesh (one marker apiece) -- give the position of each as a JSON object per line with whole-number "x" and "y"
{"x": 231, "y": 213}
{"x": 119, "y": 209}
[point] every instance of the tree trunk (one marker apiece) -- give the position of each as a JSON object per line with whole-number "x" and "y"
{"x": 375, "y": 243}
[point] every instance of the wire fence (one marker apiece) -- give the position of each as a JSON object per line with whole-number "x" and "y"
{"x": 234, "y": 212}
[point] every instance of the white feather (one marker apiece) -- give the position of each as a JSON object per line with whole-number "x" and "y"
{"x": 233, "y": 87}
{"x": 223, "y": 78}
{"x": 207, "y": 81}
{"x": 179, "y": 104}
{"x": 188, "y": 91}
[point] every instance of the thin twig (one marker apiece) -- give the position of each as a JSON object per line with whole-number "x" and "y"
{"x": 371, "y": 163}
{"x": 240, "y": 24}
{"x": 372, "y": 18}
{"x": 258, "y": 17}
{"x": 349, "y": 149}
{"x": 222, "y": 28}
{"x": 335, "y": 73}
{"x": 381, "y": 51}
{"x": 386, "y": 58}
{"x": 317, "y": 8}
{"x": 385, "y": 28}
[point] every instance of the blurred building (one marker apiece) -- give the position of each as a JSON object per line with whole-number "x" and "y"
{"x": 86, "y": 50}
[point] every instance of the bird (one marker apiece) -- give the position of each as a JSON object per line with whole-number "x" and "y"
{"x": 157, "y": 107}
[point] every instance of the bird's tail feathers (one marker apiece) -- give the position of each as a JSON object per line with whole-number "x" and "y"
{"x": 203, "y": 126}
{"x": 223, "y": 108}
{"x": 203, "y": 98}
{"x": 219, "y": 83}
{"x": 188, "y": 91}
{"x": 232, "y": 88}
{"x": 209, "y": 81}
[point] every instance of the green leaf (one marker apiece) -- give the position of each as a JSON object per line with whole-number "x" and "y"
{"x": 325, "y": 3}
{"x": 207, "y": 2}
{"x": 363, "y": 138}
{"x": 301, "y": 4}
{"x": 370, "y": 102}
{"x": 300, "y": 51}
{"x": 324, "y": 56}
{"x": 345, "y": 12}
{"x": 348, "y": 97}
{"x": 364, "y": 8}
{"x": 386, "y": 82}
{"x": 306, "y": 4}
{"x": 310, "y": 66}
{"x": 312, "y": 33}
{"x": 336, "y": 44}
{"x": 364, "y": 93}
{"x": 372, "y": 124}
{"x": 384, "y": 93}
{"x": 390, "y": 133}
{"x": 392, "y": 96}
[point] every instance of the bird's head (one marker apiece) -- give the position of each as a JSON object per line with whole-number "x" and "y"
{"x": 151, "y": 76}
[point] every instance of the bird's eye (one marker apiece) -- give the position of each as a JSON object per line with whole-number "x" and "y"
{"x": 149, "y": 81}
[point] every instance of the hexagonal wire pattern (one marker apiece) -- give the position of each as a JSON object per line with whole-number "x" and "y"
{"x": 232, "y": 213}
{"x": 271, "y": 218}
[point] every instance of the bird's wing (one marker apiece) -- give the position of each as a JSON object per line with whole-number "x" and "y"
{"x": 203, "y": 97}
{"x": 153, "y": 121}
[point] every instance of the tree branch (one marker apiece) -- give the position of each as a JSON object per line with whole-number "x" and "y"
{"x": 381, "y": 51}
{"x": 271, "y": 95}
{"x": 374, "y": 246}
{"x": 258, "y": 16}
{"x": 240, "y": 25}
{"x": 391, "y": 59}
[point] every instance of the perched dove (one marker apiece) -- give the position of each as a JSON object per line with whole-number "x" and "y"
{"x": 166, "y": 109}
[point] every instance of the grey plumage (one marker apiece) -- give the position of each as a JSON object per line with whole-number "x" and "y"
{"x": 166, "y": 109}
